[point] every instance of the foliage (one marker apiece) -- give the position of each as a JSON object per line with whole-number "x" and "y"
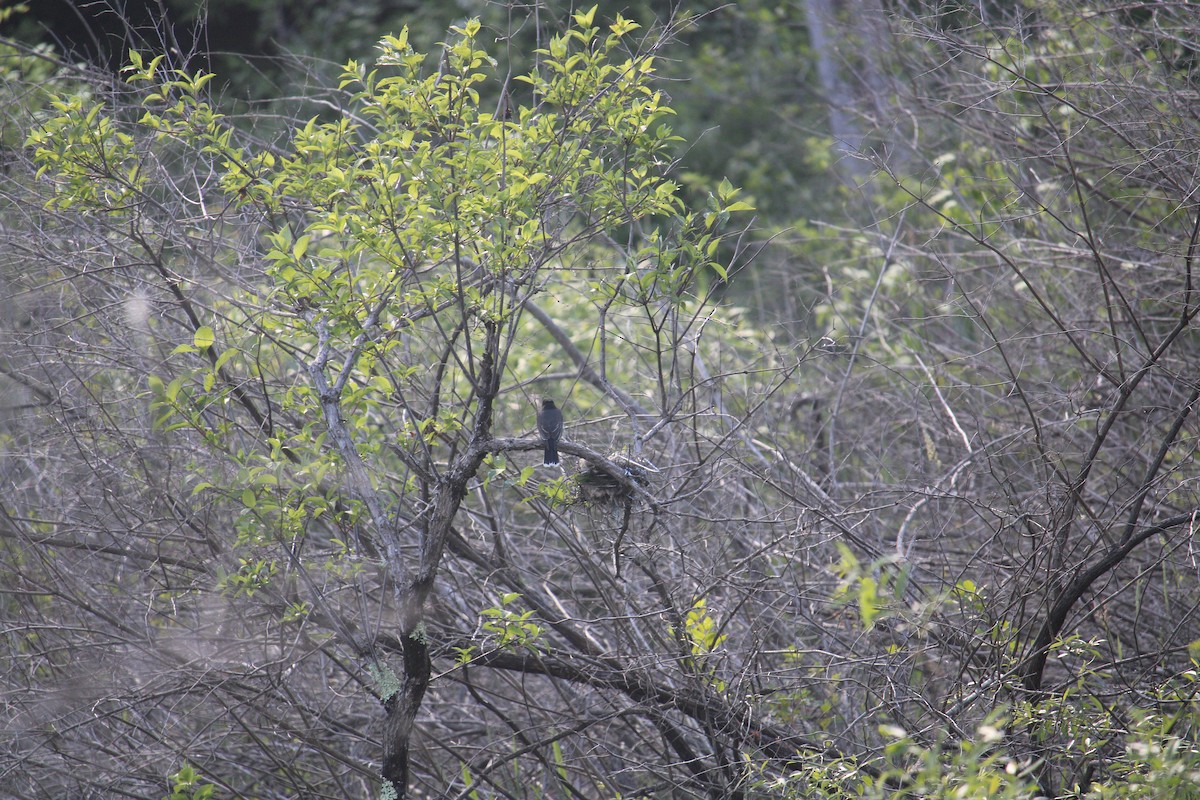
{"x": 1043, "y": 200}
{"x": 187, "y": 785}
{"x": 276, "y": 510}
{"x": 508, "y": 627}
{"x": 341, "y": 397}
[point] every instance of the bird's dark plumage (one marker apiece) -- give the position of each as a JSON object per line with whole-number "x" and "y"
{"x": 550, "y": 426}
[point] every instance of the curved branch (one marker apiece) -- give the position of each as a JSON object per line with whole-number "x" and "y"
{"x": 581, "y": 363}
{"x": 775, "y": 741}
{"x": 1034, "y": 665}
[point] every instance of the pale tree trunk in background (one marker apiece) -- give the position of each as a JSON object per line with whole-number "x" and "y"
{"x": 860, "y": 32}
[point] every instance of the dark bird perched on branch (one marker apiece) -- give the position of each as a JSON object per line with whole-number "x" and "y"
{"x": 550, "y": 426}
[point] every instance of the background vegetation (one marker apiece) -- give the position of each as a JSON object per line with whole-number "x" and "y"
{"x": 875, "y": 330}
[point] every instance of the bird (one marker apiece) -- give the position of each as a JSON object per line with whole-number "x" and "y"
{"x": 550, "y": 426}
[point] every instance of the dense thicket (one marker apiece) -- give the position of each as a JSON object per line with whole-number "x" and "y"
{"x": 910, "y": 512}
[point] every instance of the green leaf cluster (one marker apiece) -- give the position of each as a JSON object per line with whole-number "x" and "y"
{"x": 509, "y": 628}
{"x": 186, "y": 784}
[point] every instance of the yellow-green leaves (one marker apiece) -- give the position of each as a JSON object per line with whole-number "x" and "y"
{"x": 509, "y": 628}
{"x": 703, "y": 630}
{"x": 90, "y": 160}
{"x": 186, "y": 784}
{"x": 204, "y": 337}
{"x": 875, "y": 589}
{"x": 98, "y": 160}
{"x": 583, "y": 19}
{"x": 139, "y": 70}
{"x": 623, "y": 26}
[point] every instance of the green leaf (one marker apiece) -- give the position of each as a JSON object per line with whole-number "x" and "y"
{"x": 204, "y": 337}
{"x": 300, "y": 247}
{"x": 623, "y": 26}
{"x": 224, "y": 357}
{"x": 868, "y": 602}
{"x": 525, "y": 475}
{"x": 584, "y": 18}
